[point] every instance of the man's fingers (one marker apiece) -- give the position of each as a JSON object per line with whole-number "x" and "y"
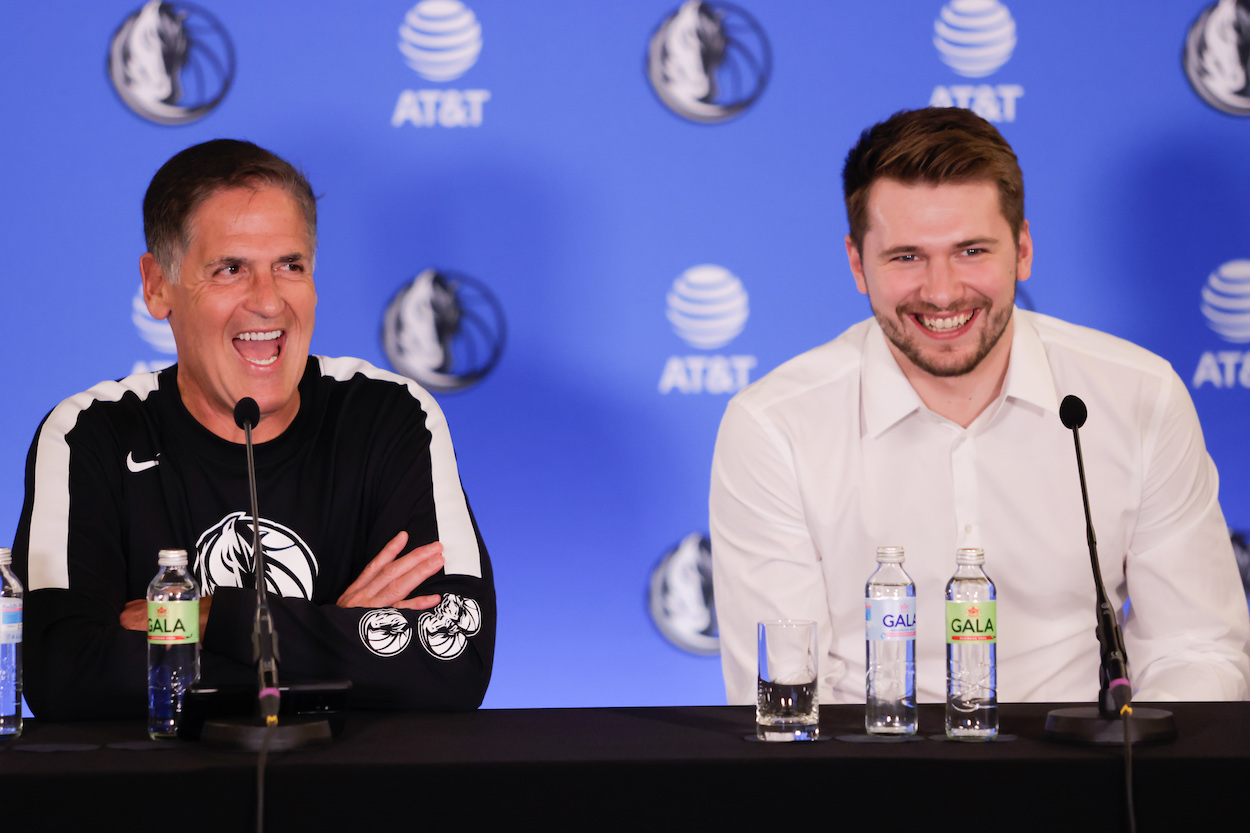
{"x": 406, "y": 574}
{"x": 388, "y": 580}
{"x": 418, "y": 602}
{"x": 393, "y": 548}
{"x": 134, "y": 616}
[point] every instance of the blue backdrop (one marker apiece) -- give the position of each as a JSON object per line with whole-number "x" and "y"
{"x": 564, "y": 167}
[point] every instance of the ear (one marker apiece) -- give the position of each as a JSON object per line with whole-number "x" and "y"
{"x": 857, "y": 265}
{"x": 156, "y": 287}
{"x": 1024, "y": 253}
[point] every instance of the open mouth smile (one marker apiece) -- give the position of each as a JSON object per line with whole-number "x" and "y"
{"x": 260, "y": 348}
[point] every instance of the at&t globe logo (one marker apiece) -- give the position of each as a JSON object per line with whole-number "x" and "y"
{"x": 440, "y": 40}
{"x": 1217, "y": 56}
{"x": 1226, "y": 307}
{"x": 975, "y": 38}
{"x": 157, "y": 334}
{"x": 444, "y": 330}
{"x": 707, "y": 308}
{"x": 708, "y": 62}
{"x": 171, "y": 63}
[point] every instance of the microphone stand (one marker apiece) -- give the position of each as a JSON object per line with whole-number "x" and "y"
{"x": 265, "y": 733}
{"x": 1110, "y": 722}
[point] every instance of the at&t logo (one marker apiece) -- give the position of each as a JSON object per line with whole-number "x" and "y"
{"x": 440, "y": 40}
{"x": 1226, "y": 306}
{"x": 707, "y": 308}
{"x": 157, "y": 334}
{"x": 975, "y": 38}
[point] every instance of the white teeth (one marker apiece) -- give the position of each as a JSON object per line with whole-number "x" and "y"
{"x": 264, "y": 362}
{"x": 269, "y": 336}
{"x": 944, "y": 324}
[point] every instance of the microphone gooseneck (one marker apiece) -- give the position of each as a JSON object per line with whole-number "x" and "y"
{"x": 264, "y": 638}
{"x": 1115, "y": 690}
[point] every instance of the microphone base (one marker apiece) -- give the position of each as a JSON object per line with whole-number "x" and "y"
{"x": 1086, "y": 725}
{"x": 296, "y": 733}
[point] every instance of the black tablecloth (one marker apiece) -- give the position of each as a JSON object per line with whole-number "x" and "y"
{"x": 618, "y": 768}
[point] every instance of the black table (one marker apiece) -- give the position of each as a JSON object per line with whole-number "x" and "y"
{"x": 632, "y": 768}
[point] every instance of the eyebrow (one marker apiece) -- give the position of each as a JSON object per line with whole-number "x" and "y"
{"x": 962, "y": 244}
{"x": 233, "y": 260}
{"x": 976, "y": 241}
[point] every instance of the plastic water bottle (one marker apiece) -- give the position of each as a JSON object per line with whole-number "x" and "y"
{"x": 971, "y": 638}
{"x": 10, "y": 649}
{"x": 173, "y": 641}
{"x": 890, "y": 624}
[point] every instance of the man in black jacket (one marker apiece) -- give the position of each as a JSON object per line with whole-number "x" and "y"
{"x": 354, "y": 465}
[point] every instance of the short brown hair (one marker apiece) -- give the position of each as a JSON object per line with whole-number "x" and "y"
{"x": 933, "y": 146}
{"x": 195, "y": 174}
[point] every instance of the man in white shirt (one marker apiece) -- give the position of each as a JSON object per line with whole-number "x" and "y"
{"x": 934, "y": 425}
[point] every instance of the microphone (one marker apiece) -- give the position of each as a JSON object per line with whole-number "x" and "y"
{"x": 246, "y": 414}
{"x": 1115, "y": 691}
{"x": 264, "y": 637}
{"x": 315, "y": 711}
{"x": 1072, "y": 413}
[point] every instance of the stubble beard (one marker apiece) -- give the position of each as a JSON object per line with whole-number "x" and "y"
{"x": 931, "y": 360}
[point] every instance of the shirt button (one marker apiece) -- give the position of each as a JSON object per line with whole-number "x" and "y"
{"x": 967, "y": 527}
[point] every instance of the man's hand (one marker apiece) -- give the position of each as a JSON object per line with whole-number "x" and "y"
{"x": 134, "y": 616}
{"x": 388, "y": 579}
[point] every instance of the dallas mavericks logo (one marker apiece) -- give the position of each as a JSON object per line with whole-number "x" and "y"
{"x": 680, "y": 596}
{"x": 1241, "y": 552}
{"x": 1226, "y": 301}
{"x": 446, "y": 629}
{"x": 708, "y": 62}
{"x": 1217, "y": 56}
{"x": 224, "y": 557}
{"x": 444, "y": 330}
{"x": 385, "y": 632}
{"x": 440, "y": 39}
{"x": 171, "y": 64}
{"x": 974, "y": 37}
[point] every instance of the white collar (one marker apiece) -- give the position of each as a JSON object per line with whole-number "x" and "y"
{"x": 887, "y": 397}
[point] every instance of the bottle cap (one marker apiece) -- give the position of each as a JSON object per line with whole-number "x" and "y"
{"x": 171, "y": 558}
{"x": 969, "y": 555}
{"x": 889, "y": 555}
{"x": 6, "y": 556}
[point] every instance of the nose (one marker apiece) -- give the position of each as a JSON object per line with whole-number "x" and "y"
{"x": 264, "y": 295}
{"x": 941, "y": 285}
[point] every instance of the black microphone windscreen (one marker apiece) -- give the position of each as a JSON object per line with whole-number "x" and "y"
{"x": 1072, "y": 412}
{"x": 247, "y": 411}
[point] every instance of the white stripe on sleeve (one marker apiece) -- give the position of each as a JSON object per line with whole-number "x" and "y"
{"x": 455, "y": 529}
{"x": 49, "y": 518}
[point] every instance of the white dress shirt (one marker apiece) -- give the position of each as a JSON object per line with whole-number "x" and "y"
{"x": 833, "y": 454}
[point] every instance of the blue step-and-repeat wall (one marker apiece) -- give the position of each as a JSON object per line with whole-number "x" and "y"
{"x": 587, "y": 224}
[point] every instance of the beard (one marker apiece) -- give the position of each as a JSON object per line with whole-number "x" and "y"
{"x": 936, "y": 360}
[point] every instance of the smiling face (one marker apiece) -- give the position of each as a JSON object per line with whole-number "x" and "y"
{"x": 939, "y": 266}
{"x": 243, "y": 309}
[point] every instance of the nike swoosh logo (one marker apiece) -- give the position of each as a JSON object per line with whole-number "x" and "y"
{"x": 138, "y": 467}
